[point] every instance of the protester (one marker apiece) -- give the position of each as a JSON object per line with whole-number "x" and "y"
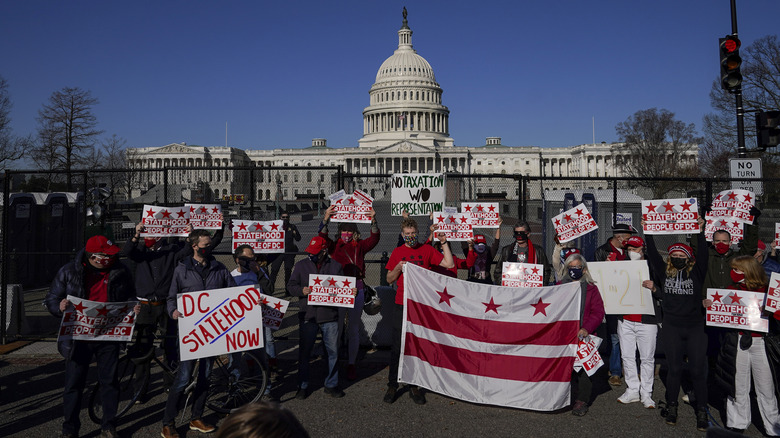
{"x": 561, "y": 251}
{"x": 460, "y": 263}
{"x": 197, "y": 273}
{"x": 638, "y": 333}
{"x": 743, "y": 355}
{"x": 614, "y": 250}
{"x": 479, "y": 272}
{"x": 769, "y": 264}
{"x": 350, "y": 251}
{"x": 328, "y": 320}
{"x": 291, "y": 235}
{"x": 679, "y": 281}
{"x": 262, "y": 420}
{"x": 591, "y": 315}
{"x": 95, "y": 275}
{"x": 412, "y": 251}
{"x": 522, "y": 250}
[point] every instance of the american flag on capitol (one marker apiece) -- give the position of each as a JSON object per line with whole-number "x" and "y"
{"x": 488, "y": 344}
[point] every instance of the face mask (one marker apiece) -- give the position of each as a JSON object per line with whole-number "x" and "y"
{"x": 721, "y": 248}
{"x": 204, "y": 252}
{"x": 411, "y": 240}
{"x": 679, "y": 262}
{"x": 103, "y": 261}
{"x": 150, "y": 242}
{"x": 634, "y": 255}
{"x": 316, "y": 258}
{"x": 346, "y": 237}
{"x": 521, "y": 236}
{"x": 737, "y": 277}
{"x": 247, "y": 264}
{"x": 480, "y": 248}
{"x": 575, "y": 273}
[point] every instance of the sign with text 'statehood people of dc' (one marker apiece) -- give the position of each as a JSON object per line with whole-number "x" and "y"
{"x": 671, "y": 216}
{"x": 205, "y": 216}
{"x": 165, "y": 221}
{"x": 737, "y": 309}
{"x": 733, "y": 204}
{"x": 273, "y": 310}
{"x": 351, "y": 208}
{"x": 456, "y": 226}
{"x": 419, "y": 194}
{"x": 262, "y": 236}
{"x": 219, "y": 321}
{"x": 777, "y": 234}
{"x": 331, "y": 290}
{"x": 735, "y": 228}
{"x": 522, "y": 274}
{"x": 96, "y": 321}
{"x": 483, "y": 214}
{"x": 574, "y": 223}
{"x": 773, "y": 294}
{"x": 588, "y": 356}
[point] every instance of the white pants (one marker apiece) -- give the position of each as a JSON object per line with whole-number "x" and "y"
{"x": 753, "y": 360}
{"x": 635, "y": 336}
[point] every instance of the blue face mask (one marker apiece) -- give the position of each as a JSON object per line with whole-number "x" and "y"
{"x": 479, "y": 248}
{"x": 575, "y": 273}
{"x": 315, "y": 258}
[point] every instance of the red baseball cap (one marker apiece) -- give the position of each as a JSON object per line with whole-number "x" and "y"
{"x": 761, "y": 246}
{"x": 479, "y": 238}
{"x": 101, "y": 245}
{"x": 635, "y": 241}
{"x": 316, "y": 245}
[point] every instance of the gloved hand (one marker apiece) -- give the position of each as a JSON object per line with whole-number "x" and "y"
{"x": 755, "y": 212}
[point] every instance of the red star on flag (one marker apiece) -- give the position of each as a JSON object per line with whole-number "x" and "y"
{"x": 444, "y": 297}
{"x": 735, "y": 298}
{"x": 463, "y": 219}
{"x": 579, "y": 212}
{"x": 540, "y": 307}
{"x": 150, "y": 212}
{"x": 180, "y": 213}
{"x": 242, "y": 227}
{"x": 716, "y": 297}
{"x": 317, "y": 281}
{"x": 651, "y": 207}
{"x": 79, "y": 307}
{"x": 467, "y": 208}
{"x": 332, "y": 282}
{"x": 274, "y": 226}
{"x": 492, "y": 306}
{"x": 215, "y": 210}
{"x": 492, "y": 208}
{"x": 278, "y": 306}
{"x": 346, "y": 283}
{"x": 669, "y": 206}
{"x": 102, "y": 311}
{"x": 203, "y": 209}
{"x": 479, "y": 208}
{"x": 732, "y": 196}
{"x": 440, "y": 218}
{"x": 166, "y": 214}
{"x": 748, "y": 198}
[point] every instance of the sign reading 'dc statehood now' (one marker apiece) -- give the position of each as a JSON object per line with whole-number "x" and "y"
{"x": 671, "y": 216}
{"x": 331, "y": 290}
{"x": 97, "y": 321}
{"x": 419, "y": 194}
{"x": 574, "y": 223}
{"x": 737, "y": 309}
{"x": 262, "y": 236}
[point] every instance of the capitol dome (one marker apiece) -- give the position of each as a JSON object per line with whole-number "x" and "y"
{"x": 405, "y": 100}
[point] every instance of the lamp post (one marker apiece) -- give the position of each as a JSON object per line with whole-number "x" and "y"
{"x": 278, "y": 192}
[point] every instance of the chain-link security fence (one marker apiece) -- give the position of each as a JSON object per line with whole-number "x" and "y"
{"x": 45, "y": 222}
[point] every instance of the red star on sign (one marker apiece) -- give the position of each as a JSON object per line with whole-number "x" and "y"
{"x": 332, "y": 282}
{"x": 479, "y": 208}
{"x": 540, "y": 307}
{"x": 351, "y": 200}
{"x": 215, "y": 210}
{"x": 748, "y": 198}
{"x": 242, "y": 227}
{"x": 535, "y": 270}
{"x": 257, "y": 226}
{"x": 467, "y": 208}
{"x": 669, "y": 206}
{"x": 102, "y": 311}
{"x": 709, "y": 221}
{"x": 557, "y": 221}
{"x": 732, "y": 196}
{"x": 579, "y": 212}
{"x": 716, "y": 297}
{"x": 735, "y": 224}
{"x": 444, "y": 297}
{"x": 203, "y": 209}
{"x": 440, "y": 218}
{"x": 274, "y": 226}
{"x": 124, "y": 310}
{"x": 180, "y": 213}
{"x": 735, "y": 298}
{"x": 150, "y": 212}
{"x": 317, "y": 281}
{"x": 79, "y": 307}
{"x": 724, "y": 223}
{"x": 452, "y": 219}
{"x": 278, "y": 306}
{"x": 166, "y": 214}
{"x": 339, "y": 201}
{"x": 346, "y": 283}
{"x": 717, "y": 198}
{"x": 463, "y": 219}
{"x": 567, "y": 217}
{"x": 492, "y": 208}
{"x": 192, "y": 209}
{"x": 492, "y": 306}
{"x": 686, "y": 206}
{"x": 651, "y": 207}
{"x": 264, "y": 301}
{"x": 778, "y": 283}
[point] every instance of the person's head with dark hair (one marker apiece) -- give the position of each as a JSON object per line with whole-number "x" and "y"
{"x": 244, "y": 257}
{"x": 348, "y": 232}
{"x": 522, "y": 232}
{"x": 200, "y": 241}
{"x": 721, "y": 241}
{"x": 262, "y": 420}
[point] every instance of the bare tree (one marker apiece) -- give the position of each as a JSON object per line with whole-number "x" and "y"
{"x": 113, "y": 155}
{"x": 658, "y": 146}
{"x": 67, "y": 131}
{"x": 11, "y": 147}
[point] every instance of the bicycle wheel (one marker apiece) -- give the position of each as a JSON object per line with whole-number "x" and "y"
{"x": 129, "y": 390}
{"x": 232, "y": 385}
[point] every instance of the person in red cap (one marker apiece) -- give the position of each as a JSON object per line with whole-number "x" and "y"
{"x": 769, "y": 264}
{"x": 96, "y": 275}
{"x": 678, "y": 281}
{"x": 328, "y": 320}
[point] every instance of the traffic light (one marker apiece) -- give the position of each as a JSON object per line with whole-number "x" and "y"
{"x": 730, "y": 77}
{"x": 767, "y": 129}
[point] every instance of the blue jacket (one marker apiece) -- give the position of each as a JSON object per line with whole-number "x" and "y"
{"x": 187, "y": 279}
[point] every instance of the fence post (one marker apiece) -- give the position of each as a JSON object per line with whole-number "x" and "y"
{"x": 383, "y": 269}
{"x": 165, "y": 186}
{"x": 708, "y": 192}
{"x": 614, "y": 202}
{"x": 340, "y": 177}
{"x": 4, "y": 261}
{"x": 251, "y": 193}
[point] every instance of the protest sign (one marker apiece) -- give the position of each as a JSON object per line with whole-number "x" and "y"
{"x": 773, "y": 294}
{"x": 97, "y": 321}
{"x": 205, "y": 216}
{"x": 351, "y": 208}
{"x": 483, "y": 214}
{"x": 734, "y": 227}
{"x": 777, "y": 234}
{"x": 419, "y": 194}
{"x": 219, "y": 321}
{"x": 522, "y": 275}
{"x": 671, "y": 216}
{"x": 273, "y": 310}
{"x": 737, "y": 309}
{"x": 165, "y": 221}
{"x": 574, "y": 223}
{"x": 620, "y": 285}
{"x": 734, "y": 204}
{"x": 331, "y": 290}
{"x": 588, "y": 356}
{"x": 262, "y": 236}
{"x": 456, "y": 226}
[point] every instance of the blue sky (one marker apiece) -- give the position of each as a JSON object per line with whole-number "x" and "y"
{"x": 282, "y": 73}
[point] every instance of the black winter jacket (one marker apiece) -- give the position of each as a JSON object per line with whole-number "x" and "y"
{"x": 506, "y": 255}
{"x": 187, "y": 279}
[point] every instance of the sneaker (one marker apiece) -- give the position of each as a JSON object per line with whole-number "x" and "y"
{"x": 351, "y": 372}
{"x": 334, "y": 392}
{"x": 169, "y": 432}
{"x": 417, "y": 395}
{"x": 390, "y": 394}
{"x": 109, "y": 433}
{"x": 302, "y": 394}
{"x": 670, "y": 413}
{"x": 702, "y": 420}
{"x": 628, "y": 397}
{"x": 200, "y": 426}
{"x": 580, "y": 408}
{"x": 647, "y": 402}
{"x": 615, "y": 380}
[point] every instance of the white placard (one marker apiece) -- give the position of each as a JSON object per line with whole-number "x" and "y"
{"x": 734, "y": 227}
{"x": 671, "y": 216}
{"x": 574, "y": 223}
{"x": 419, "y": 194}
{"x": 262, "y": 236}
{"x": 522, "y": 274}
{"x": 777, "y": 234}
{"x": 351, "y": 208}
{"x": 733, "y": 204}
{"x": 165, "y": 221}
{"x": 273, "y": 310}
{"x": 620, "y": 284}
{"x": 205, "y": 216}
{"x": 331, "y": 290}
{"x": 737, "y": 309}
{"x": 219, "y": 321}
{"x": 588, "y": 355}
{"x": 483, "y": 214}
{"x": 97, "y": 321}
{"x": 773, "y": 294}
{"x": 456, "y": 226}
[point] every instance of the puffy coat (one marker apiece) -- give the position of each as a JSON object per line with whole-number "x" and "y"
{"x": 187, "y": 279}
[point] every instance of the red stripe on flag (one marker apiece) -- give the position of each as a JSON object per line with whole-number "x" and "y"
{"x": 495, "y": 332}
{"x": 517, "y": 368}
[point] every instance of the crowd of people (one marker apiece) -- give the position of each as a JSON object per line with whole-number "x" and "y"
{"x": 166, "y": 267}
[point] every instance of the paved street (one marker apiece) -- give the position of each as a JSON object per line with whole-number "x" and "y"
{"x": 31, "y": 381}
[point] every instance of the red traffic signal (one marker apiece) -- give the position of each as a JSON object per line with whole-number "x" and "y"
{"x": 730, "y": 61}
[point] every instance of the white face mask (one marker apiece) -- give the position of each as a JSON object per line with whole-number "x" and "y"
{"x": 634, "y": 255}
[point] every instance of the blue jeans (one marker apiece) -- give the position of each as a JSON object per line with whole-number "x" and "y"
{"x": 330, "y": 337}
{"x": 615, "y": 363}
{"x": 180, "y": 383}
{"x": 107, "y": 355}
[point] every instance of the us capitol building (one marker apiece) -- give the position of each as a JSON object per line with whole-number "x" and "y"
{"x": 405, "y": 129}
